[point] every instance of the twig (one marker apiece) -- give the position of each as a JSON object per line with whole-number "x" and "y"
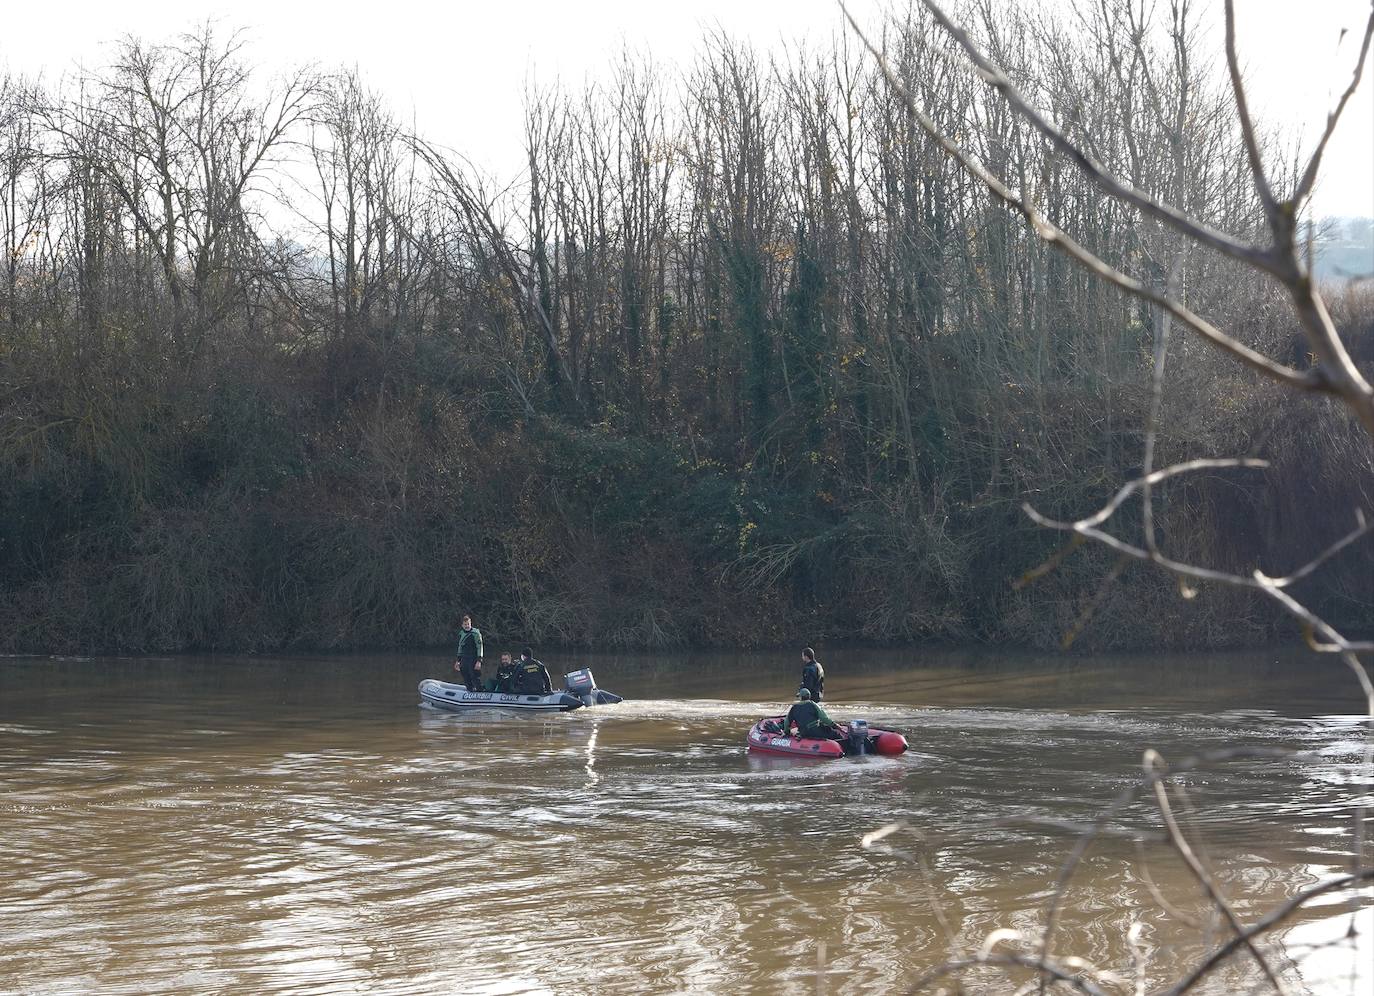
{"x": 1130, "y": 487}
{"x": 1361, "y": 528}
{"x": 1309, "y": 176}
{"x": 1128, "y": 795}
{"x": 997, "y": 78}
{"x": 1057, "y": 237}
{"x": 1153, "y": 763}
{"x": 1049, "y": 564}
{"x": 1267, "y": 923}
{"x": 1070, "y": 826}
{"x": 873, "y": 842}
{"x": 1090, "y": 609}
{"x": 1042, "y": 966}
{"x": 1161, "y": 354}
{"x": 1247, "y": 126}
{"x": 1334, "y": 641}
{"x": 1158, "y": 896}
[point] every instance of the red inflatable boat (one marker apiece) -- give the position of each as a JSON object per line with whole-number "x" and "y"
{"x": 766, "y": 738}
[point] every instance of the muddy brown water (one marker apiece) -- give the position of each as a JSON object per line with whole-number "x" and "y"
{"x": 223, "y": 824}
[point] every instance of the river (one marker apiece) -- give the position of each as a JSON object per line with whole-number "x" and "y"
{"x": 242, "y": 824}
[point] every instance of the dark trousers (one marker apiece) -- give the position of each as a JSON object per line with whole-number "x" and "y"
{"x": 468, "y": 669}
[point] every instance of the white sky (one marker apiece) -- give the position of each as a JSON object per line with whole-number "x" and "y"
{"x": 461, "y": 67}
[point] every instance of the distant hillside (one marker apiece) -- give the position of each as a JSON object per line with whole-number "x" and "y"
{"x": 1345, "y": 249}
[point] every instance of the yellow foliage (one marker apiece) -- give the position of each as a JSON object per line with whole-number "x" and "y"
{"x": 745, "y": 532}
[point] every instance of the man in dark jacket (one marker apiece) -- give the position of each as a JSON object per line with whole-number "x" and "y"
{"x": 810, "y": 719}
{"x": 469, "y": 662}
{"x": 531, "y": 677}
{"x": 504, "y": 680}
{"x": 813, "y": 675}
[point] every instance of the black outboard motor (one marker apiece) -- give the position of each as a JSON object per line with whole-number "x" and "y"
{"x": 581, "y": 684}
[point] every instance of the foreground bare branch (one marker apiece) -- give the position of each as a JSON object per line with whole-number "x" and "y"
{"x": 1154, "y": 766}
{"x": 1275, "y": 918}
{"x": 1043, "y": 967}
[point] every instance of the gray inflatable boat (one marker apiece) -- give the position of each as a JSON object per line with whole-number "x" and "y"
{"x": 579, "y": 689}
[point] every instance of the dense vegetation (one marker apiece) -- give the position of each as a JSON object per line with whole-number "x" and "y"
{"x": 742, "y": 359}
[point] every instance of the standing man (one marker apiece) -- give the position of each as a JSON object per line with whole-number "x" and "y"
{"x": 469, "y": 662}
{"x": 813, "y": 675}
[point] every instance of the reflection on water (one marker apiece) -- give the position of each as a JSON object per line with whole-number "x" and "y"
{"x": 197, "y": 825}
{"x": 592, "y": 776}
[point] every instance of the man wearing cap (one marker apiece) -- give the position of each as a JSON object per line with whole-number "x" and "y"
{"x": 810, "y": 719}
{"x": 531, "y": 677}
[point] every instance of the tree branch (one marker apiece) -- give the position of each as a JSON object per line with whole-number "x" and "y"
{"x": 1247, "y": 126}
{"x": 996, "y": 78}
{"x": 1153, "y": 762}
{"x": 1309, "y": 175}
{"x": 1060, "y": 239}
{"x": 1268, "y": 923}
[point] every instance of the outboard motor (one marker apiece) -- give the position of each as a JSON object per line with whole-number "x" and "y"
{"x": 858, "y": 736}
{"x": 581, "y": 684}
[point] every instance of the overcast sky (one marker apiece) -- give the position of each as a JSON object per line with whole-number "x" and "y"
{"x": 461, "y": 67}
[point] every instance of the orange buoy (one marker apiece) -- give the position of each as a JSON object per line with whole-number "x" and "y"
{"x": 890, "y": 744}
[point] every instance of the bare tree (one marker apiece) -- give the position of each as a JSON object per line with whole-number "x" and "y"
{"x": 367, "y": 189}
{"x": 178, "y": 138}
{"x": 24, "y": 191}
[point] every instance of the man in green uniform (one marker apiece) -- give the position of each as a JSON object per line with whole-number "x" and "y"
{"x": 469, "y": 662}
{"x": 810, "y": 719}
{"x": 504, "y": 679}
